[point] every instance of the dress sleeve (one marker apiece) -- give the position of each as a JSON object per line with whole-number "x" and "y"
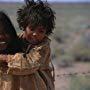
{"x": 33, "y": 61}
{"x": 6, "y": 58}
{"x": 20, "y": 65}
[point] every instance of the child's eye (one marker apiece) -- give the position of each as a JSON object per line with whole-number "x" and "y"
{"x": 41, "y": 31}
{"x": 30, "y": 29}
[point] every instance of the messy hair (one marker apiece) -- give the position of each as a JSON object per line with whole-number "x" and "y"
{"x": 36, "y": 14}
{"x": 7, "y": 25}
{"x": 8, "y": 28}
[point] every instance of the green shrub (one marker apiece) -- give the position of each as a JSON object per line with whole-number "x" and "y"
{"x": 80, "y": 83}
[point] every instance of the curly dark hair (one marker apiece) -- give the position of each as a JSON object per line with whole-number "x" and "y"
{"x": 7, "y": 27}
{"x": 36, "y": 14}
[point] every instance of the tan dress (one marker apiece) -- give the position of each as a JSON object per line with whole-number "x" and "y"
{"x": 31, "y": 73}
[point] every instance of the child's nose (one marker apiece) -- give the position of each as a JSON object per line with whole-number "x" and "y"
{"x": 34, "y": 34}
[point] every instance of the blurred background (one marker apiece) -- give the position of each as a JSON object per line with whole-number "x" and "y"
{"x": 70, "y": 44}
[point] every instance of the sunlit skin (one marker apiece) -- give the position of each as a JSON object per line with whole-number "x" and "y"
{"x": 36, "y": 35}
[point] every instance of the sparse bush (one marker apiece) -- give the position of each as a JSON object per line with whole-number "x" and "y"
{"x": 58, "y": 39}
{"x": 81, "y": 52}
{"x": 80, "y": 83}
{"x": 66, "y": 61}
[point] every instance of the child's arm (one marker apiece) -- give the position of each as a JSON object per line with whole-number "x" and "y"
{"x": 20, "y": 65}
{"x": 35, "y": 60}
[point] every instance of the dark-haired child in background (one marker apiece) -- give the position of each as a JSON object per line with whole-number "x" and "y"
{"x": 9, "y": 45}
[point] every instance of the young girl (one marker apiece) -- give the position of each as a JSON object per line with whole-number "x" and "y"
{"x": 37, "y": 21}
{"x": 32, "y": 69}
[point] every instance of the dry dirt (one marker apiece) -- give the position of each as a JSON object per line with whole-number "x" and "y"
{"x": 62, "y": 75}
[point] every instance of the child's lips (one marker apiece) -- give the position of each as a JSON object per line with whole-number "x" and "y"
{"x": 33, "y": 42}
{"x": 3, "y": 42}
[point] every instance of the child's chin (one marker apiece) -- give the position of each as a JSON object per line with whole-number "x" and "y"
{"x": 33, "y": 41}
{"x": 3, "y": 47}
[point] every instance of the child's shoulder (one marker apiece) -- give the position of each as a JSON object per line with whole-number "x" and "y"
{"x": 46, "y": 41}
{"x": 45, "y": 44}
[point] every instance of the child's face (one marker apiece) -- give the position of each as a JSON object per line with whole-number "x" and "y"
{"x": 4, "y": 39}
{"x": 36, "y": 35}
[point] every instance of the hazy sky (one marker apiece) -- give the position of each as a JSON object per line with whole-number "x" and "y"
{"x": 51, "y": 0}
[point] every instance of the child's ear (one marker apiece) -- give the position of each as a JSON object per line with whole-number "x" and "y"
{"x": 46, "y": 35}
{"x": 22, "y": 35}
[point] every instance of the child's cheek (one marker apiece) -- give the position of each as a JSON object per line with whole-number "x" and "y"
{"x": 40, "y": 37}
{"x": 3, "y": 46}
{"x": 28, "y": 36}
